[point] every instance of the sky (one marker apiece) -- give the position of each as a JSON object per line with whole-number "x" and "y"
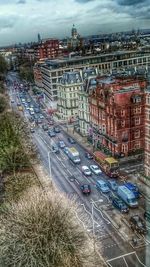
{"x": 22, "y": 20}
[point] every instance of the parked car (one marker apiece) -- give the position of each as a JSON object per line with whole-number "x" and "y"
{"x": 120, "y": 205}
{"x": 134, "y": 188}
{"x": 45, "y": 127}
{"x": 127, "y": 196}
{"x": 86, "y": 189}
{"x": 55, "y": 149}
{"x": 66, "y": 150}
{"x": 56, "y": 129}
{"x": 88, "y": 155}
{"x": 71, "y": 140}
{"x": 86, "y": 171}
{"x": 147, "y": 215}
{"x": 112, "y": 184}
{"x": 61, "y": 144}
{"x": 51, "y": 133}
{"x": 137, "y": 223}
{"x": 50, "y": 122}
{"x": 95, "y": 169}
{"x": 102, "y": 186}
{"x": 37, "y": 110}
{"x": 41, "y": 116}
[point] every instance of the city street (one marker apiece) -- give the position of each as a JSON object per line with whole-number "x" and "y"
{"x": 111, "y": 230}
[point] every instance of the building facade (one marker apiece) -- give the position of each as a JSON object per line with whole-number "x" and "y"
{"x": 47, "y": 49}
{"x": 104, "y": 63}
{"x": 147, "y": 135}
{"x": 89, "y": 83}
{"x": 117, "y": 116}
{"x": 68, "y": 87}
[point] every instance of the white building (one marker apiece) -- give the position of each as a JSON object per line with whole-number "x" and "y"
{"x": 89, "y": 77}
{"x": 68, "y": 102}
{"x": 54, "y": 69}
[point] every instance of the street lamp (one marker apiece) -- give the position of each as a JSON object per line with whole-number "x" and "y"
{"x": 49, "y": 164}
{"x": 93, "y": 224}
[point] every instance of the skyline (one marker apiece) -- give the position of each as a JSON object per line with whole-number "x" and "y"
{"x": 28, "y": 17}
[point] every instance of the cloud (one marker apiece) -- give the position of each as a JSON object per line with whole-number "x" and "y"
{"x": 83, "y": 1}
{"x": 130, "y": 2}
{"x": 21, "y": 2}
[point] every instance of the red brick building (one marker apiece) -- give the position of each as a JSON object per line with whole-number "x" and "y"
{"x": 48, "y": 49}
{"x": 37, "y": 74}
{"x": 117, "y": 115}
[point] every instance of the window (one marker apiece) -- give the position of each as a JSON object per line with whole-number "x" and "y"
{"x": 123, "y": 123}
{"x": 137, "y": 121}
{"x": 122, "y": 112}
{"x": 137, "y": 134}
{"x": 137, "y": 145}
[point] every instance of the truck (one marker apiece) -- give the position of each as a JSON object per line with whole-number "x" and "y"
{"x": 127, "y": 196}
{"x": 73, "y": 155}
{"x": 109, "y": 165}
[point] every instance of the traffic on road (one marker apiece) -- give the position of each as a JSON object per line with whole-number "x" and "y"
{"x": 115, "y": 209}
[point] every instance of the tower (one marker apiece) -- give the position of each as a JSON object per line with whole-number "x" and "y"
{"x": 39, "y": 38}
{"x": 74, "y": 32}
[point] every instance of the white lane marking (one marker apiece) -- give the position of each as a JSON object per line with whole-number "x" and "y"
{"x": 121, "y": 256}
{"x": 125, "y": 262}
{"x": 140, "y": 260}
{"x": 90, "y": 214}
{"x": 108, "y": 222}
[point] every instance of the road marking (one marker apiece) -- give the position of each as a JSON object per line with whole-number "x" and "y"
{"x": 108, "y": 222}
{"x": 125, "y": 262}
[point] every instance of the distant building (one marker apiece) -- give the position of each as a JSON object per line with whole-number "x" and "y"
{"x": 39, "y": 38}
{"x": 75, "y": 41}
{"x": 47, "y": 49}
{"x": 147, "y": 135}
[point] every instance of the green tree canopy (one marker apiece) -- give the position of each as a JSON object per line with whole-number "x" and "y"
{"x": 3, "y": 103}
{"x": 3, "y": 65}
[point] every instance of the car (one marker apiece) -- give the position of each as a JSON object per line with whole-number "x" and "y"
{"x": 86, "y": 171}
{"x": 71, "y": 140}
{"x": 41, "y": 116}
{"x": 133, "y": 188}
{"x": 95, "y": 169}
{"x": 51, "y": 133}
{"x": 112, "y": 184}
{"x": 102, "y": 186}
{"x": 12, "y": 100}
{"x": 32, "y": 130}
{"x": 50, "y": 122}
{"x": 31, "y": 119}
{"x": 88, "y": 155}
{"x": 28, "y": 100}
{"x": 45, "y": 127}
{"x": 86, "y": 189}
{"x": 120, "y": 205}
{"x": 39, "y": 121}
{"x": 66, "y": 150}
{"x": 37, "y": 110}
{"x": 55, "y": 149}
{"x": 56, "y": 129}
{"x": 138, "y": 224}
{"x": 61, "y": 144}
{"x": 147, "y": 215}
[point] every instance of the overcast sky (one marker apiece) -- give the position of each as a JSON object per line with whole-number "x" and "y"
{"x": 21, "y": 20}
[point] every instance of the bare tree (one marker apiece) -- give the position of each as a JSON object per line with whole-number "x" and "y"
{"x": 42, "y": 230}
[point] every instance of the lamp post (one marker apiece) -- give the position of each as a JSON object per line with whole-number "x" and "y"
{"x": 49, "y": 164}
{"x": 93, "y": 224}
